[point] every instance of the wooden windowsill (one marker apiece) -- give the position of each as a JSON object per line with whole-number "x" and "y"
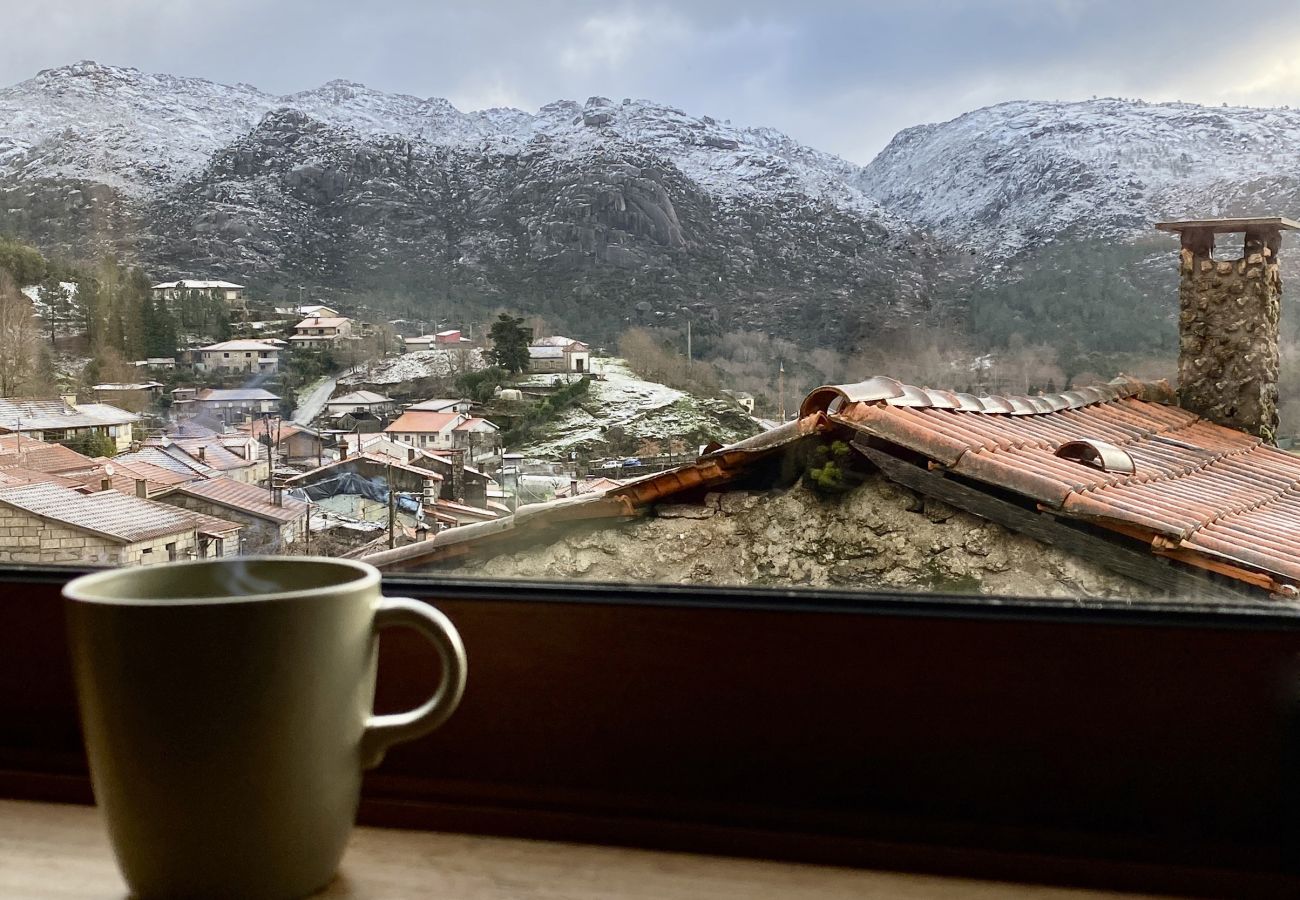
{"x": 62, "y": 851}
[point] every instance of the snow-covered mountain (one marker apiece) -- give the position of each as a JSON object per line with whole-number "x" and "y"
{"x": 1011, "y": 177}
{"x": 634, "y": 206}
{"x": 140, "y": 132}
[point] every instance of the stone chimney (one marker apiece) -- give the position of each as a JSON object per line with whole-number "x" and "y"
{"x": 1228, "y": 322}
{"x": 458, "y": 475}
{"x": 142, "y": 489}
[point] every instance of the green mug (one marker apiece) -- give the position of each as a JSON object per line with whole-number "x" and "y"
{"x": 227, "y": 712}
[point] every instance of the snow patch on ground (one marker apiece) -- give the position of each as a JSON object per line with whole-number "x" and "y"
{"x": 645, "y": 410}
{"x": 430, "y": 363}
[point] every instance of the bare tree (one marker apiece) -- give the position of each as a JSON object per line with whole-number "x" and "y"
{"x": 18, "y": 337}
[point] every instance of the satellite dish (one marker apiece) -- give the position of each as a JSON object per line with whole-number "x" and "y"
{"x": 109, "y": 470}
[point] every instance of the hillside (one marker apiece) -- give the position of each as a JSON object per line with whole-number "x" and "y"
{"x": 603, "y": 213}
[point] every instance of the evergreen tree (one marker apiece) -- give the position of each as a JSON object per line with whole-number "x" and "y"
{"x": 509, "y": 343}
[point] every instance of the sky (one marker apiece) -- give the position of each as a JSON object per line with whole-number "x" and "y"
{"x": 841, "y": 76}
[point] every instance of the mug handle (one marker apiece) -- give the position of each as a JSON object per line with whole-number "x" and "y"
{"x": 383, "y": 732}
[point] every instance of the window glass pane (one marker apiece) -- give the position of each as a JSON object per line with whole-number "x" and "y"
{"x": 816, "y": 296}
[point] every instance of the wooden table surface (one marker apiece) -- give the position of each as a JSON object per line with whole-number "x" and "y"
{"x": 50, "y": 851}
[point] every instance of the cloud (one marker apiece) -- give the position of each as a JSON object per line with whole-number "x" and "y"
{"x": 842, "y": 76}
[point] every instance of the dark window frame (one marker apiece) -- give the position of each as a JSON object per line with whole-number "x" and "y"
{"x": 1093, "y": 743}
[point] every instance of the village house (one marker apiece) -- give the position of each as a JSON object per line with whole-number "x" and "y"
{"x": 292, "y": 442}
{"x": 318, "y": 332}
{"x": 270, "y": 519}
{"x": 237, "y": 456}
{"x": 558, "y": 354}
{"x": 420, "y": 342}
{"x": 132, "y": 396}
{"x": 46, "y": 523}
{"x": 156, "y": 363}
{"x": 354, "y": 422}
{"x": 66, "y": 421}
{"x": 188, "y": 290}
{"x": 460, "y": 482}
{"x": 441, "y": 404}
{"x": 317, "y": 310}
{"x": 262, "y": 357}
{"x": 362, "y": 401}
{"x": 230, "y": 405}
{"x": 441, "y": 431}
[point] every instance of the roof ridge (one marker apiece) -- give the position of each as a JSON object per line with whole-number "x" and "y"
{"x": 892, "y": 392}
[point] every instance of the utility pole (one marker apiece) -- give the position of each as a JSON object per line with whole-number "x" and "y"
{"x": 780, "y": 391}
{"x": 392, "y": 510}
{"x": 307, "y": 537}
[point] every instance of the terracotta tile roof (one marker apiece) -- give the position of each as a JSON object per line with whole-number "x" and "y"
{"x": 41, "y": 456}
{"x": 20, "y": 475}
{"x": 246, "y": 498}
{"x": 215, "y": 453}
{"x": 423, "y": 422}
{"x": 108, "y": 513}
{"x": 473, "y": 422}
{"x": 211, "y": 525}
{"x": 1192, "y": 489}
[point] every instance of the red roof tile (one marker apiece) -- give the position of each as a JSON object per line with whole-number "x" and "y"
{"x": 417, "y": 422}
{"x": 246, "y": 498}
{"x": 1195, "y": 487}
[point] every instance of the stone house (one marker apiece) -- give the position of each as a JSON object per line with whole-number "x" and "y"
{"x": 270, "y": 519}
{"x": 260, "y": 357}
{"x": 232, "y": 406}
{"x": 559, "y": 354}
{"x": 292, "y": 442}
{"x": 46, "y": 523}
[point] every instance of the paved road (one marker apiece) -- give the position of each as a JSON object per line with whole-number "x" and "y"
{"x": 313, "y": 401}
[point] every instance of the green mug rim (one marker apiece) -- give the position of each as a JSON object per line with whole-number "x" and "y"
{"x": 81, "y": 589}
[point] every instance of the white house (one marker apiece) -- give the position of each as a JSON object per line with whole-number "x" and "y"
{"x": 179, "y": 291}
{"x": 62, "y": 420}
{"x": 239, "y": 356}
{"x": 479, "y": 438}
{"x": 441, "y": 404}
{"x": 317, "y": 311}
{"x": 316, "y": 332}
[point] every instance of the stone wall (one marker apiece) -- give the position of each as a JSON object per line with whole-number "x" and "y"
{"x": 28, "y": 538}
{"x": 258, "y": 534}
{"x": 877, "y": 537}
{"x": 1228, "y": 336}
